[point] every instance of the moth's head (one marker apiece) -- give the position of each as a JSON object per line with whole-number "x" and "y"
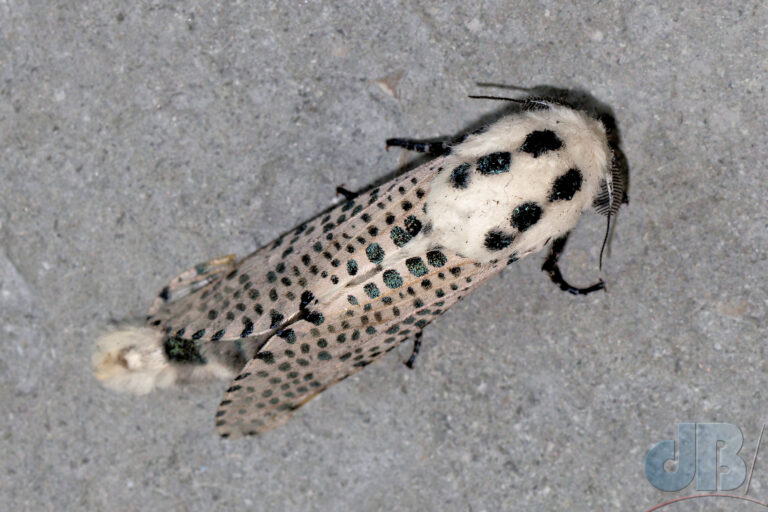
{"x": 614, "y": 190}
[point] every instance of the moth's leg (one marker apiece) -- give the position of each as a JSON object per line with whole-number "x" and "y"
{"x": 348, "y": 194}
{"x": 553, "y": 271}
{"x": 416, "y": 348}
{"x": 436, "y": 148}
{"x": 191, "y": 280}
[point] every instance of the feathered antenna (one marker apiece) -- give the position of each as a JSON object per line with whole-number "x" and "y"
{"x": 502, "y": 98}
{"x": 605, "y": 243}
{"x": 609, "y": 187}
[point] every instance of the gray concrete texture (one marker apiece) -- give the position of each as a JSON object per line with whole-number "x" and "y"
{"x": 139, "y": 138}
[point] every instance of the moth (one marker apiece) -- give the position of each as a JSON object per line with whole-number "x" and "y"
{"x": 336, "y": 293}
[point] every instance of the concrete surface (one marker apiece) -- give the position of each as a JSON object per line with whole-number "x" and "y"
{"x": 139, "y": 138}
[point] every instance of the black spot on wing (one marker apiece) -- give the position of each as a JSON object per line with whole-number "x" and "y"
{"x": 494, "y": 163}
{"x": 288, "y": 335}
{"x": 436, "y": 258}
{"x": 392, "y": 279}
{"x": 525, "y": 216}
{"x": 540, "y": 141}
{"x": 371, "y": 290}
{"x": 412, "y": 225}
{"x": 247, "y": 327}
{"x": 416, "y": 266}
{"x": 275, "y": 318}
{"x": 266, "y": 356}
{"x": 566, "y": 186}
{"x": 306, "y": 298}
{"x": 399, "y": 236}
{"x": 375, "y": 253}
{"x": 315, "y": 317}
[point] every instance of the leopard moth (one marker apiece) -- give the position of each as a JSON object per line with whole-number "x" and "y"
{"x": 336, "y": 293}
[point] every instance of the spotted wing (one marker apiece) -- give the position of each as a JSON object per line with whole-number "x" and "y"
{"x": 270, "y": 288}
{"x": 306, "y": 358}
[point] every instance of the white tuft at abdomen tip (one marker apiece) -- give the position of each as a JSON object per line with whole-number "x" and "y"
{"x": 132, "y": 360}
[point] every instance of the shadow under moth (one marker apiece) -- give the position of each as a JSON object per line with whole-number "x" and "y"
{"x": 336, "y": 293}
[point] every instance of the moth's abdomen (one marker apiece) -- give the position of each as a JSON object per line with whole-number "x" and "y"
{"x": 138, "y": 360}
{"x": 131, "y": 360}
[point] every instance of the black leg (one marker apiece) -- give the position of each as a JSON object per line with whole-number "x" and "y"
{"x": 553, "y": 271}
{"x": 416, "y": 347}
{"x": 435, "y": 148}
{"x": 348, "y": 194}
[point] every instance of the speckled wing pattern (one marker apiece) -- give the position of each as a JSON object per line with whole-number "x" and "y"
{"x": 353, "y": 292}
{"x": 292, "y": 368}
{"x": 270, "y": 287}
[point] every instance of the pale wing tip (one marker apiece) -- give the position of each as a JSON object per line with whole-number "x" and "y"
{"x": 236, "y": 424}
{"x": 230, "y": 432}
{"x": 131, "y": 360}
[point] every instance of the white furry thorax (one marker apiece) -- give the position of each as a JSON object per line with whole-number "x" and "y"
{"x": 516, "y": 209}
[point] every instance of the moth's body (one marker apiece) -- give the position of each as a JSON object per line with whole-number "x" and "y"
{"x": 336, "y": 293}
